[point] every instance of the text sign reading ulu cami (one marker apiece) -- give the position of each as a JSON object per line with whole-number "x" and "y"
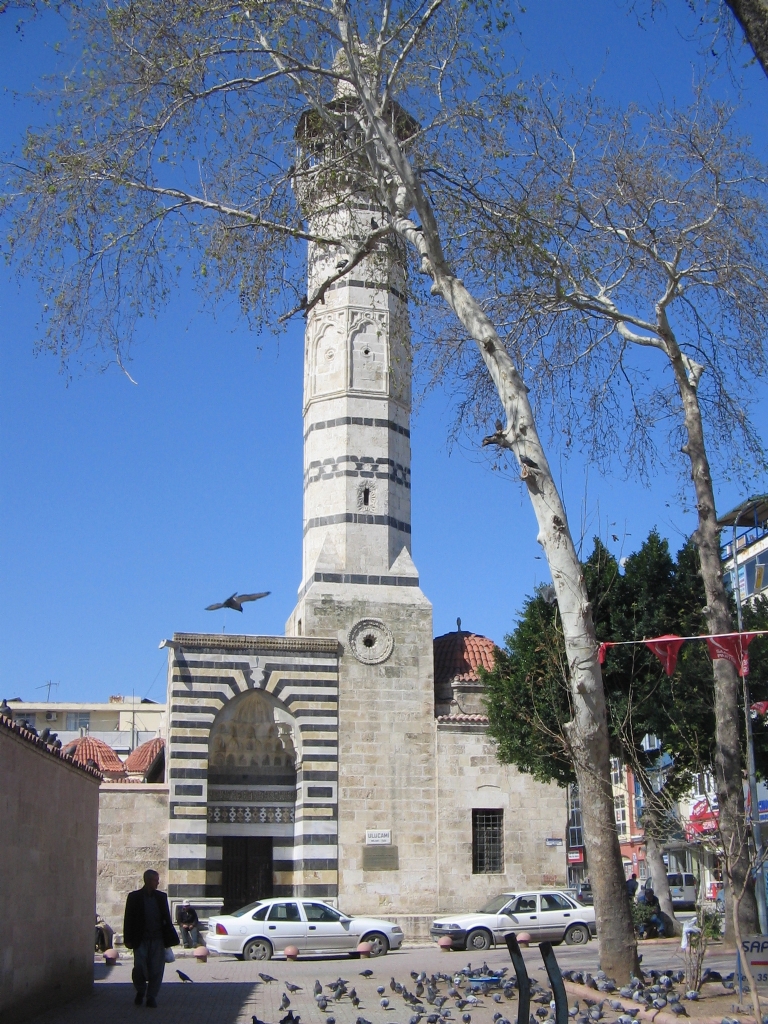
{"x": 378, "y": 837}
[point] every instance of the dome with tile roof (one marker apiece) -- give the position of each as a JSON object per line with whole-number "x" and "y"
{"x": 90, "y": 750}
{"x": 143, "y": 760}
{"x": 458, "y": 656}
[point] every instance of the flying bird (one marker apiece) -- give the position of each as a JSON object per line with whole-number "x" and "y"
{"x": 184, "y": 977}
{"x": 235, "y": 602}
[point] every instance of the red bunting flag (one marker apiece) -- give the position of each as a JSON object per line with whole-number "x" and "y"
{"x": 732, "y": 648}
{"x": 601, "y": 652}
{"x": 666, "y": 648}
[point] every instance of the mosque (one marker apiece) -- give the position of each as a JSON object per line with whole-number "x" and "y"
{"x": 349, "y": 759}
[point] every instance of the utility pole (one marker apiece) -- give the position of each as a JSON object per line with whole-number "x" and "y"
{"x": 757, "y": 836}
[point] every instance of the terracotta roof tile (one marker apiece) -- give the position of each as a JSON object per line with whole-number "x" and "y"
{"x": 142, "y": 758}
{"x": 30, "y": 737}
{"x": 89, "y": 748}
{"x": 458, "y": 654}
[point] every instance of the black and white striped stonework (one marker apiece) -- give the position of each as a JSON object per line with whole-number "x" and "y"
{"x": 296, "y": 805}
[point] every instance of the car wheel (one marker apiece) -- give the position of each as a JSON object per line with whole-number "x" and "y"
{"x": 257, "y": 949}
{"x": 379, "y": 943}
{"x": 577, "y": 935}
{"x": 478, "y": 939}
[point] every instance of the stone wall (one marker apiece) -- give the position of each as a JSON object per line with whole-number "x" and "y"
{"x": 49, "y": 811}
{"x": 133, "y": 836}
{"x": 469, "y": 776}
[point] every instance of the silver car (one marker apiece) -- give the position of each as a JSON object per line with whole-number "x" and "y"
{"x": 266, "y": 927}
{"x": 547, "y": 914}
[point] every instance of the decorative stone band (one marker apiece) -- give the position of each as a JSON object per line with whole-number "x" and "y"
{"x": 358, "y": 466}
{"x": 276, "y": 815}
{"x": 355, "y": 517}
{"x": 279, "y": 796}
{"x": 358, "y": 580}
{"x": 358, "y": 421}
{"x": 244, "y": 641}
{"x": 377, "y": 286}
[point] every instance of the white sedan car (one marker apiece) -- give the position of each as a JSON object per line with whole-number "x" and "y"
{"x": 266, "y": 927}
{"x": 549, "y": 914}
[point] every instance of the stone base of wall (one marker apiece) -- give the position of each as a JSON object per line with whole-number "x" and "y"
{"x": 133, "y": 836}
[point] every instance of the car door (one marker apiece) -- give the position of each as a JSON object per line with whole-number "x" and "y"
{"x": 526, "y": 910}
{"x": 327, "y": 928}
{"x": 555, "y": 915}
{"x": 504, "y": 922}
{"x": 285, "y": 926}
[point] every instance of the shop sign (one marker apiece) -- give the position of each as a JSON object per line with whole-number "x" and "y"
{"x": 576, "y": 856}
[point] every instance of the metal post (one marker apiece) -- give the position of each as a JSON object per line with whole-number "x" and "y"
{"x": 757, "y": 837}
{"x": 556, "y": 981}
{"x": 523, "y": 981}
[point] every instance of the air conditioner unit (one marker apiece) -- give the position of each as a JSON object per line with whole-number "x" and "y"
{"x": 51, "y": 716}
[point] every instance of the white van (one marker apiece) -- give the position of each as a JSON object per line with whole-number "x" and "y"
{"x": 682, "y": 888}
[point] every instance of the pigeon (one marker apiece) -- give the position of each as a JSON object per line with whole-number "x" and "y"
{"x": 330, "y": 1020}
{"x": 362, "y": 1020}
{"x": 184, "y": 977}
{"x": 255, "y": 1020}
{"x": 497, "y": 997}
{"x": 290, "y": 1018}
{"x": 292, "y": 988}
{"x": 367, "y": 973}
{"x": 691, "y": 995}
{"x": 659, "y": 1003}
{"x": 679, "y": 1009}
{"x": 285, "y": 1002}
{"x": 235, "y": 602}
{"x": 322, "y": 1003}
{"x": 266, "y": 978}
{"x": 466, "y": 1018}
{"x": 380, "y": 990}
{"x": 318, "y": 988}
{"x": 384, "y": 1003}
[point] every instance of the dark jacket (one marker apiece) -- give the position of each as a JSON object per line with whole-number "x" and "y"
{"x": 133, "y": 925}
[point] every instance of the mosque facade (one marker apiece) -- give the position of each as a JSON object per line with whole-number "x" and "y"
{"x": 334, "y": 761}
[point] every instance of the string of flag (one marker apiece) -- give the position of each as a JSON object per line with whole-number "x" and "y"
{"x": 722, "y": 647}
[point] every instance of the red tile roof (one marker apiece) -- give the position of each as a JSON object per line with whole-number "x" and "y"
{"x": 457, "y": 656}
{"x": 88, "y": 748}
{"x": 142, "y": 758}
{"x": 30, "y": 737}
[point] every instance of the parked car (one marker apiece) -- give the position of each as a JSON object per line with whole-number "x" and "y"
{"x": 584, "y": 894}
{"x": 266, "y": 927}
{"x": 547, "y": 914}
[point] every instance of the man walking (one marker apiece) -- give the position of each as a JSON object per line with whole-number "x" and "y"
{"x": 148, "y": 931}
{"x": 632, "y": 885}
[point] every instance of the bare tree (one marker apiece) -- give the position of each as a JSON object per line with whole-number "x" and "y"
{"x": 647, "y": 238}
{"x": 173, "y": 147}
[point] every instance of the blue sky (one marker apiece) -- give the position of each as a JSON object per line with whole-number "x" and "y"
{"x": 126, "y": 509}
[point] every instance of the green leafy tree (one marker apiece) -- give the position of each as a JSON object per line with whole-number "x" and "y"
{"x": 528, "y": 700}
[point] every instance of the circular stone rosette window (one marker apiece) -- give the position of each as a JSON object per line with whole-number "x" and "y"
{"x": 371, "y": 641}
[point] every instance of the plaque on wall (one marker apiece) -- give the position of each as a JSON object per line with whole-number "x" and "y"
{"x": 380, "y": 858}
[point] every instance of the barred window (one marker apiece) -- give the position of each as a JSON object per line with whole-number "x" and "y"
{"x": 487, "y": 842}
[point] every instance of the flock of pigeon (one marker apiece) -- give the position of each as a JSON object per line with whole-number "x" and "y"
{"x": 661, "y": 990}
{"x": 452, "y": 998}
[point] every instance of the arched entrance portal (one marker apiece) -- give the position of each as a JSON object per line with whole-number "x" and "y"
{"x": 252, "y": 768}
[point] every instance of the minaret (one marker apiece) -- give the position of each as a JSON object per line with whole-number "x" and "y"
{"x": 359, "y": 583}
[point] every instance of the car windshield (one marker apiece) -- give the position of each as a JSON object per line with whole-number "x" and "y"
{"x": 244, "y": 910}
{"x": 496, "y": 904}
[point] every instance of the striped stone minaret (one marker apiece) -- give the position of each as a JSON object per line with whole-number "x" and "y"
{"x": 359, "y": 583}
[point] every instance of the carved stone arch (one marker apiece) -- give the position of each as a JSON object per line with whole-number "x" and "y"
{"x": 327, "y": 358}
{"x": 368, "y": 352}
{"x": 254, "y": 740}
